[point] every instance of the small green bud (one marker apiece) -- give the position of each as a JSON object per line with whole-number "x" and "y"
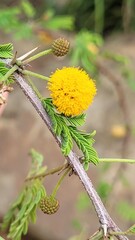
{"x": 49, "y": 205}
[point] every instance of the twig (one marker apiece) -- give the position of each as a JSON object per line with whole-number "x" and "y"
{"x": 103, "y": 216}
{"x": 52, "y": 171}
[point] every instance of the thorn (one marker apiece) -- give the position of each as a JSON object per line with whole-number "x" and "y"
{"x": 64, "y": 167}
{"x": 105, "y": 229}
{"x": 27, "y": 54}
{"x": 14, "y": 59}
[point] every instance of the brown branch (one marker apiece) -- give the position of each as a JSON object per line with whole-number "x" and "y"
{"x": 103, "y": 216}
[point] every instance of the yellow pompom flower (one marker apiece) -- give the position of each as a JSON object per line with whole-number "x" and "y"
{"x": 72, "y": 90}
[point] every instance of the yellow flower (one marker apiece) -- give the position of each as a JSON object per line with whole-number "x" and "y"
{"x": 72, "y": 90}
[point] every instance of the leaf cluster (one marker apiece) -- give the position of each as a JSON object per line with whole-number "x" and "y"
{"x": 131, "y": 230}
{"x": 23, "y": 210}
{"x": 66, "y": 128}
{"x": 24, "y": 19}
{"x": 56, "y": 22}
{"x": 11, "y": 20}
{"x": 5, "y": 52}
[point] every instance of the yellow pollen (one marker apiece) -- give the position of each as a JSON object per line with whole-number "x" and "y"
{"x": 72, "y": 90}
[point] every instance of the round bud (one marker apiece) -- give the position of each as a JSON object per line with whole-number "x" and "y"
{"x": 60, "y": 47}
{"x": 49, "y": 205}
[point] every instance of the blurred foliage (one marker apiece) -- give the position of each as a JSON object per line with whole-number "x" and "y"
{"x": 57, "y": 22}
{"x": 76, "y": 223}
{"x": 81, "y": 236}
{"x": 126, "y": 210}
{"x": 85, "y": 50}
{"x": 104, "y": 190}
{"x": 23, "y": 21}
{"x": 102, "y": 15}
{"x": 83, "y": 202}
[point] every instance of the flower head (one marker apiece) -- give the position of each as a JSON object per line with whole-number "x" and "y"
{"x": 72, "y": 90}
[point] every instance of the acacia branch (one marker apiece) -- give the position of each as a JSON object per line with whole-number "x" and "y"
{"x": 103, "y": 216}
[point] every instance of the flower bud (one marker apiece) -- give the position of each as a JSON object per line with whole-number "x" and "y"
{"x": 49, "y": 205}
{"x": 60, "y": 47}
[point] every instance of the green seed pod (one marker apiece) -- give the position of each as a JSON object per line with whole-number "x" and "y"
{"x": 49, "y": 205}
{"x": 60, "y": 47}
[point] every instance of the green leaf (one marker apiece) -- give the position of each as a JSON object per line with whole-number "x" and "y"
{"x": 48, "y": 106}
{"x": 84, "y": 142}
{"x": 28, "y": 8}
{"x": 2, "y": 64}
{"x": 8, "y": 218}
{"x": 19, "y": 200}
{"x": 67, "y": 143}
{"x": 6, "y": 50}
{"x": 32, "y": 214}
{"x": 37, "y": 158}
{"x": 25, "y": 227}
{"x": 76, "y": 120}
{"x": 82, "y": 54}
{"x": 3, "y": 71}
{"x": 59, "y": 22}
{"x": 131, "y": 230}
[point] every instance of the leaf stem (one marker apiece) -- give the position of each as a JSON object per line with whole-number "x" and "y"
{"x": 52, "y": 171}
{"x": 118, "y": 233}
{"x": 97, "y": 236}
{"x": 40, "y": 54}
{"x": 9, "y": 73}
{"x": 60, "y": 181}
{"x": 33, "y": 74}
{"x": 113, "y": 160}
{"x": 34, "y": 88}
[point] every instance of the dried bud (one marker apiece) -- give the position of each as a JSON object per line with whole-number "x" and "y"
{"x": 49, "y": 205}
{"x": 60, "y": 47}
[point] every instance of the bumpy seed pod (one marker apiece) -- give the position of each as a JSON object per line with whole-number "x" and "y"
{"x": 49, "y": 205}
{"x": 60, "y": 47}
